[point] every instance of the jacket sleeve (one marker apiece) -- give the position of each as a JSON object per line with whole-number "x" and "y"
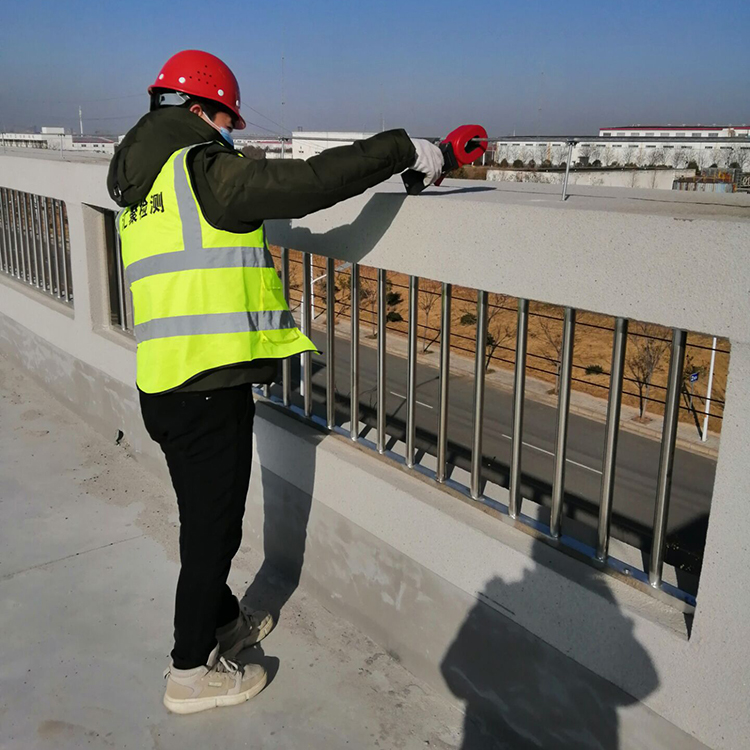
{"x": 237, "y": 193}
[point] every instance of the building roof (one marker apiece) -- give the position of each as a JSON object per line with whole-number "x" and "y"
{"x": 91, "y": 139}
{"x": 673, "y": 127}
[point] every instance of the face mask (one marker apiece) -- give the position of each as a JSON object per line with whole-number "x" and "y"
{"x": 225, "y": 134}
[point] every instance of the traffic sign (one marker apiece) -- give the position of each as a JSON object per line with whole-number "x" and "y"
{"x": 694, "y": 377}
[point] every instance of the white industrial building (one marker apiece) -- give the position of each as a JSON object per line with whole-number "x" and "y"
{"x": 48, "y": 138}
{"x": 57, "y": 139}
{"x": 636, "y": 145}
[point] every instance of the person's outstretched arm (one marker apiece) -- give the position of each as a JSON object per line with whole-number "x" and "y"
{"x": 236, "y": 193}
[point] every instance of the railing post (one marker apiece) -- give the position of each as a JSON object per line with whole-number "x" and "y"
{"x": 612, "y": 432}
{"x": 55, "y": 236}
{"x": 3, "y": 241}
{"x": 41, "y": 280}
{"x": 119, "y": 267}
{"x": 411, "y": 363}
{"x": 567, "y": 170}
{"x": 354, "y": 375}
{"x": 381, "y": 360}
{"x": 330, "y": 343}
{"x": 519, "y": 389}
{"x": 666, "y": 457}
{"x": 445, "y": 360}
{"x": 64, "y": 252}
{"x": 286, "y": 364}
{"x": 21, "y": 235}
{"x": 476, "y": 446}
{"x": 563, "y": 409}
{"x": 307, "y": 330}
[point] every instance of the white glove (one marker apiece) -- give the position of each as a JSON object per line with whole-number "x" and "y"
{"x": 429, "y": 160}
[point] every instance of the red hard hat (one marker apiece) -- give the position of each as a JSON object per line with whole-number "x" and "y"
{"x": 201, "y": 74}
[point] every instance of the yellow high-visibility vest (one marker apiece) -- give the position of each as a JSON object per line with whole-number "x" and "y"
{"x": 202, "y": 297}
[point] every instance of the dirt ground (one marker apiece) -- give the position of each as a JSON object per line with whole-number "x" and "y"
{"x": 647, "y": 352}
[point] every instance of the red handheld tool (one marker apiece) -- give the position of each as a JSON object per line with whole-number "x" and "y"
{"x": 462, "y": 146}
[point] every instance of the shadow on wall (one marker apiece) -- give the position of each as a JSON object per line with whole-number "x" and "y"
{"x": 521, "y": 693}
{"x": 286, "y": 511}
{"x": 347, "y": 243}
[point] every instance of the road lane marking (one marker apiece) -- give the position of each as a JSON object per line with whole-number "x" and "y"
{"x": 550, "y": 453}
{"x": 421, "y": 403}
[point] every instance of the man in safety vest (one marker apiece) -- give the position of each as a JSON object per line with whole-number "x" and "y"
{"x": 211, "y": 320}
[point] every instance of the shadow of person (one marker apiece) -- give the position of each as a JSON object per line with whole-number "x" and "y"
{"x": 522, "y": 693}
{"x": 286, "y": 506}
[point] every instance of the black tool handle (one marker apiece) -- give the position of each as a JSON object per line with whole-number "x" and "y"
{"x": 413, "y": 181}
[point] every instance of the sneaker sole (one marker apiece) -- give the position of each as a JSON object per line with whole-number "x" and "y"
{"x": 195, "y": 705}
{"x": 231, "y": 653}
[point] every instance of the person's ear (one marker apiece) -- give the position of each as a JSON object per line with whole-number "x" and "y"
{"x": 197, "y": 109}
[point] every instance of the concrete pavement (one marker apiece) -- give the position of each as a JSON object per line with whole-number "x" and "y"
{"x": 88, "y": 544}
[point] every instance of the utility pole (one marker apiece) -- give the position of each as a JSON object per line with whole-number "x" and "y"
{"x": 80, "y": 118}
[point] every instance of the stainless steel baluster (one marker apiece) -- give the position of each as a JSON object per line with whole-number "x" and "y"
{"x": 381, "y": 360}
{"x": 64, "y": 241}
{"x": 286, "y": 364}
{"x": 331, "y": 343}
{"x": 354, "y": 374}
{"x": 3, "y": 240}
{"x": 21, "y": 236}
{"x": 666, "y": 458}
{"x": 119, "y": 268}
{"x": 519, "y": 390}
{"x": 445, "y": 364}
{"x": 479, "y": 370}
{"x": 307, "y": 330}
{"x": 612, "y": 430}
{"x": 40, "y": 278}
{"x": 411, "y": 382}
{"x": 563, "y": 411}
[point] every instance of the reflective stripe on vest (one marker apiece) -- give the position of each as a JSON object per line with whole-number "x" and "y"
{"x": 202, "y": 297}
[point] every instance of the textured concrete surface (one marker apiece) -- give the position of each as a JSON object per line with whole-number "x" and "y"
{"x": 87, "y": 574}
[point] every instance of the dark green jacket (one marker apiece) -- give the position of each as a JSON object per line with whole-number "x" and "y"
{"x": 238, "y": 194}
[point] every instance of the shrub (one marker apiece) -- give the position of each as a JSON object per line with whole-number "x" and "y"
{"x": 594, "y": 370}
{"x": 468, "y": 319}
{"x": 394, "y": 316}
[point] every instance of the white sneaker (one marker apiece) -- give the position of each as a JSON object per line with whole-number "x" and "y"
{"x": 221, "y": 682}
{"x": 247, "y": 630}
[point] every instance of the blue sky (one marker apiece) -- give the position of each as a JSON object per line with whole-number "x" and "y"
{"x": 529, "y": 66}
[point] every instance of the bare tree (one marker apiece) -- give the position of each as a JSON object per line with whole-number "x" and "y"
{"x": 629, "y": 155}
{"x": 647, "y": 348}
{"x": 608, "y": 155}
{"x": 655, "y": 157}
{"x": 368, "y": 297}
{"x": 497, "y": 332}
{"x": 741, "y": 156}
{"x": 429, "y": 295}
{"x": 552, "y": 345}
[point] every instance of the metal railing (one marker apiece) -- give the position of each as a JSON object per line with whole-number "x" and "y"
{"x": 120, "y": 298}
{"x": 363, "y": 417}
{"x": 360, "y": 411}
{"x": 35, "y": 242}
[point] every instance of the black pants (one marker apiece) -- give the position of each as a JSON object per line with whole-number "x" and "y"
{"x": 207, "y": 440}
